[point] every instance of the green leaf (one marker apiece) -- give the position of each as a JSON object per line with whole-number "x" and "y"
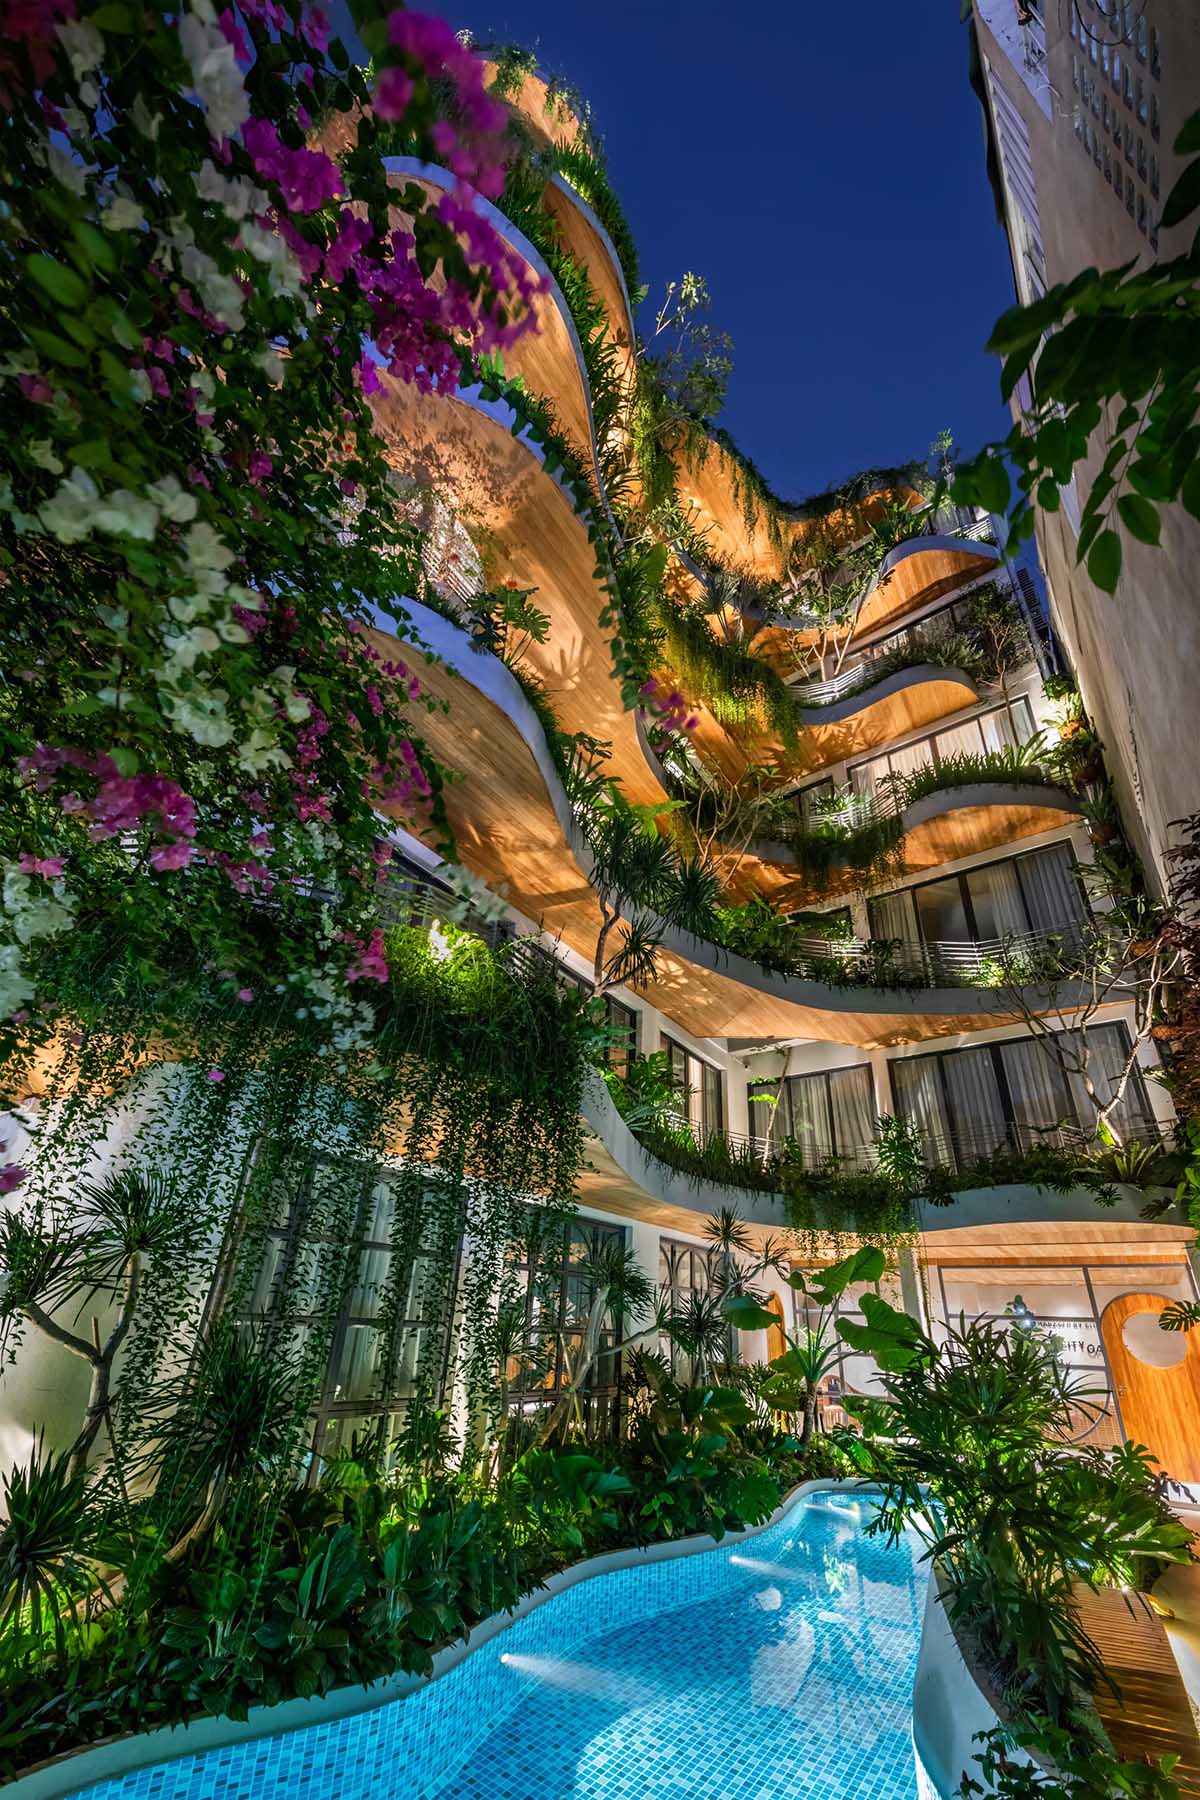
{"x": 1104, "y": 561}
{"x": 1140, "y": 518}
{"x": 1183, "y": 198}
{"x": 1187, "y": 143}
{"x": 1047, "y": 494}
{"x": 891, "y": 1337}
{"x": 1151, "y": 478}
{"x": 113, "y": 17}
{"x": 62, "y": 284}
{"x": 95, "y": 245}
{"x": 867, "y": 1263}
{"x": 744, "y": 1311}
{"x": 993, "y": 485}
{"x": 1189, "y": 490}
{"x": 57, "y": 348}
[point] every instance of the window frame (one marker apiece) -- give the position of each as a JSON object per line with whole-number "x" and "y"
{"x": 962, "y": 876}
{"x": 955, "y": 1128}
{"x": 704, "y": 1125}
{"x": 987, "y": 712}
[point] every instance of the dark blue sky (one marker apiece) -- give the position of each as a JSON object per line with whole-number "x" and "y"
{"x": 823, "y": 168}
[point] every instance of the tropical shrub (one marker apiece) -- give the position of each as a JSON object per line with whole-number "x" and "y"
{"x": 982, "y": 1466}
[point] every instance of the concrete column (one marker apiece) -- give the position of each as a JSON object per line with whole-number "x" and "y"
{"x": 643, "y": 1240}
{"x": 912, "y": 1291}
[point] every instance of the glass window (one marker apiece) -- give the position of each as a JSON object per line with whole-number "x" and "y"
{"x": 1129, "y": 143}
{"x": 686, "y": 1271}
{"x": 830, "y": 1114}
{"x": 375, "y": 1221}
{"x": 1129, "y": 193}
{"x": 1141, "y": 157}
{"x": 557, "y": 1296}
{"x": 986, "y": 732}
{"x": 1141, "y": 213}
{"x": 1154, "y": 117}
{"x": 968, "y": 1103}
{"x": 1155, "y": 52}
{"x": 623, "y": 1021}
{"x": 810, "y": 798}
{"x": 701, "y": 1089}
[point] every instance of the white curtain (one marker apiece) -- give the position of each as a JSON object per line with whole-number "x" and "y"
{"x": 971, "y": 1083}
{"x": 892, "y": 916}
{"x": 1052, "y": 890}
{"x": 852, "y": 1099}
{"x": 961, "y": 740}
{"x": 995, "y": 892}
{"x": 866, "y": 778}
{"x": 1039, "y": 1096}
{"x": 911, "y": 757}
{"x": 808, "y": 1116}
{"x": 919, "y": 1100}
{"x": 1108, "y": 1051}
{"x": 1008, "y": 725}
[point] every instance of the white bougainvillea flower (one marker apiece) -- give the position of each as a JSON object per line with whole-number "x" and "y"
{"x": 123, "y": 214}
{"x": 83, "y": 44}
{"x": 173, "y": 500}
{"x": 216, "y": 78}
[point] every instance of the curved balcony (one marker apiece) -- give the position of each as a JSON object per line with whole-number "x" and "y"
{"x": 677, "y": 1180}
{"x": 937, "y": 827}
{"x": 515, "y": 830}
{"x": 913, "y": 574}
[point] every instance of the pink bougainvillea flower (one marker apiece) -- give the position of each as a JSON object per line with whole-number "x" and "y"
{"x": 245, "y": 995}
{"x": 394, "y": 94}
{"x": 216, "y": 1075}
{"x": 316, "y": 29}
{"x": 258, "y": 468}
{"x": 51, "y": 867}
{"x": 11, "y": 1176}
{"x": 36, "y": 389}
{"x": 234, "y": 36}
{"x": 172, "y": 856}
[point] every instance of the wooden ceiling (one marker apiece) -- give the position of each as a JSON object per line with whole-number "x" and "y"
{"x": 508, "y": 834}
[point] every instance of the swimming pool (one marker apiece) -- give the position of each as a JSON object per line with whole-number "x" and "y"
{"x": 779, "y": 1667}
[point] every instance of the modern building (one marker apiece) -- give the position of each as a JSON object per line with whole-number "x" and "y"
{"x": 917, "y": 839}
{"x": 1082, "y": 104}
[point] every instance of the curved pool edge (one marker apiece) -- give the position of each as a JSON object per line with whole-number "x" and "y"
{"x": 950, "y": 1704}
{"x": 77, "y": 1770}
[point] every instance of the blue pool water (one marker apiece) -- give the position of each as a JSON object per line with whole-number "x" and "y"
{"x": 777, "y": 1668}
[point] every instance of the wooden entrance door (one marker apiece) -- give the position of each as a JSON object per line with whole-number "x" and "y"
{"x": 1160, "y": 1407}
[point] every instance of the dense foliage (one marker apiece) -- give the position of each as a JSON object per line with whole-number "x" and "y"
{"x": 978, "y": 1459}
{"x": 198, "y": 525}
{"x": 370, "y": 1571}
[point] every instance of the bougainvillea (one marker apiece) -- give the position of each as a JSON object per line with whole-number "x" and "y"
{"x": 198, "y": 526}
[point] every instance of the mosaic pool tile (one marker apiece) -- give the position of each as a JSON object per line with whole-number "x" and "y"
{"x": 779, "y": 1668}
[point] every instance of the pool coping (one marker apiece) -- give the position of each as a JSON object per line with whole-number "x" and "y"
{"x": 112, "y": 1758}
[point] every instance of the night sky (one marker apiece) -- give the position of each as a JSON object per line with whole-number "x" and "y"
{"x": 822, "y": 167}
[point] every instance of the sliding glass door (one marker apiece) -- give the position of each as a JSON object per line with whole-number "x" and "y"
{"x": 1038, "y": 892}
{"x": 1015, "y": 1095}
{"x": 827, "y": 1115}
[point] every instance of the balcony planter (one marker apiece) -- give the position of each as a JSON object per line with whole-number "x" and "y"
{"x": 953, "y": 1701}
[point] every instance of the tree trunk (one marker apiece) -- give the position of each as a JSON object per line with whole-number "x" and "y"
{"x": 808, "y": 1424}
